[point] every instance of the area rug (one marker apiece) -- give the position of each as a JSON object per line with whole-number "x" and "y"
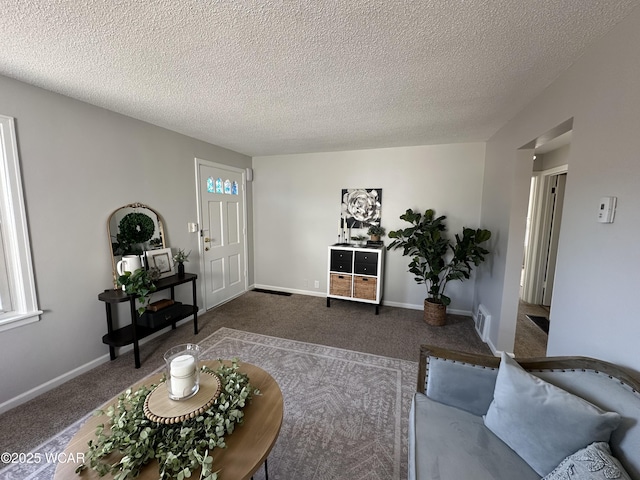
{"x": 345, "y": 412}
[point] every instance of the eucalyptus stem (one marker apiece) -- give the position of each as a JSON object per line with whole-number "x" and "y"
{"x": 179, "y": 448}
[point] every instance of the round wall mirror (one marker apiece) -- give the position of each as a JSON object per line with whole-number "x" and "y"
{"x": 133, "y": 230}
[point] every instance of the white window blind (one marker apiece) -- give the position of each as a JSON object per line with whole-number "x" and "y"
{"x": 18, "y": 302}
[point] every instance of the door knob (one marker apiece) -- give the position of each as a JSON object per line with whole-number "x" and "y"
{"x": 207, "y": 239}
{"x": 206, "y": 249}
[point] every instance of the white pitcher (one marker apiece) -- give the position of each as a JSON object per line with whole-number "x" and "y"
{"x": 129, "y": 263}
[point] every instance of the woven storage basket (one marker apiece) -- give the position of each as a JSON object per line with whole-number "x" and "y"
{"x": 364, "y": 287}
{"x": 340, "y": 284}
{"x": 435, "y": 313}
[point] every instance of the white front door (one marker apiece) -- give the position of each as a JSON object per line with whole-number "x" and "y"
{"x": 221, "y": 212}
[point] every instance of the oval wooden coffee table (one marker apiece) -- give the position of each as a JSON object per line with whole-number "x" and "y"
{"x": 247, "y": 447}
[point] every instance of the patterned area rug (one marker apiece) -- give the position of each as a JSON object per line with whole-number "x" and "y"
{"x": 345, "y": 412}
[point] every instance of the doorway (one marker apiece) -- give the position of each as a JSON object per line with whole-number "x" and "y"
{"x": 543, "y": 225}
{"x": 221, "y": 192}
{"x": 541, "y": 245}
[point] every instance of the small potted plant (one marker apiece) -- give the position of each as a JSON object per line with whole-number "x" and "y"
{"x": 376, "y": 231}
{"x": 180, "y": 258}
{"x": 141, "y": 284}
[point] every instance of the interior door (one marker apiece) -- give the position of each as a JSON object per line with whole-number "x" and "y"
{"x": 552, "y": 253}
{"x": 542, "y": 245}
{"x": 223, "y": 231}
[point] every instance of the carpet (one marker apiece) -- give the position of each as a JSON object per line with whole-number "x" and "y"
{"x": 345, "y": 412}
{"x": 540, "y": 321}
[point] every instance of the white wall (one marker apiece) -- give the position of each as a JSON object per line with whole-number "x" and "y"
{"x": 594, "y": 309}
{"x": 297, "y": 210}
{"x": 79, "y": 163}
{"x": 554, "y": 158}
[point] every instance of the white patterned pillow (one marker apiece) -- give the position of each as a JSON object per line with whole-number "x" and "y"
{"x": 594, "y": 462}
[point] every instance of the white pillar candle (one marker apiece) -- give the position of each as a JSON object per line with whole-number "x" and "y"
{"x": 183, "y": 375}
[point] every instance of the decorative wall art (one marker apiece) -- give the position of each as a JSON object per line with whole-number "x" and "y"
{"x": 162, "y": 260}
{"x": 361, "y": 207}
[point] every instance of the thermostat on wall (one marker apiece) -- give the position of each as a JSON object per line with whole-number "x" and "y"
{"x": 607, "y": 209}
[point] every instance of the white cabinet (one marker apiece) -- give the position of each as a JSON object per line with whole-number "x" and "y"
{"x": 355, "y": 273}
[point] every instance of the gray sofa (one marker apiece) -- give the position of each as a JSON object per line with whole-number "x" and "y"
{"x": 449, "y": 440}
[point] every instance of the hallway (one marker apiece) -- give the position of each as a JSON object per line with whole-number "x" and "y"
{"x": 531, "y": 340}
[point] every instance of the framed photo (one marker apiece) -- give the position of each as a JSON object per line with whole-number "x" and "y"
{"x": 162, "y": 260}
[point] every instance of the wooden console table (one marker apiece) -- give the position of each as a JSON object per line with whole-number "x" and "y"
{"x": 247, "y": 447}
{"x": 135, "y": 332}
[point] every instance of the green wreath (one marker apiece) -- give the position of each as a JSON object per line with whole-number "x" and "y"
{"x": 136, "y": 227}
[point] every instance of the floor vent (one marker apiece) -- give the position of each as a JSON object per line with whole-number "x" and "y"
{"x": 272, "y": 292}
{"x": 482, "y": 321}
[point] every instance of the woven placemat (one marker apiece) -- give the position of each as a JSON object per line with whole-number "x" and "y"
{"x": 158, "y": 407}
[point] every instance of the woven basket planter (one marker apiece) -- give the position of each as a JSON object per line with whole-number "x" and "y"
{"x": 434, "y": 313}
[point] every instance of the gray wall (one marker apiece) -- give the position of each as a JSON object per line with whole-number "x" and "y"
{"x": 556, "y": 158}
{"x": 297, "y": 211}
{"x": 79, "y": 163}
{"x": 594, "y": 310}
{"x": 552, "y": 159}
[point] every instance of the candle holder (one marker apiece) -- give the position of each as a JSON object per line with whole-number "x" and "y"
{"x": 183, "y": 372}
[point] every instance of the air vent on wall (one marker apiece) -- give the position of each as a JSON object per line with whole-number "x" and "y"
{"x": 482, "y": 320}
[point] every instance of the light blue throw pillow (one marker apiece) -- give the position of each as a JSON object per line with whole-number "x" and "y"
{"x": 592, "y": 463}
{"x": 541, "y": 422}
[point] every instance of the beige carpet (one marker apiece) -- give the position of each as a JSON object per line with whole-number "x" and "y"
{"x": 531, "y": 340}
{"x": 395, "y": 333}
{"x": 346, "y": 412}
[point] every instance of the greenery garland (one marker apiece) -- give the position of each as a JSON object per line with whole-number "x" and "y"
{"x": 179, "y": 448}
{"x": 136, "y": 227}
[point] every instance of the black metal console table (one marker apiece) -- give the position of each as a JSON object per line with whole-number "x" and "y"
{"x": 135, "y": 332}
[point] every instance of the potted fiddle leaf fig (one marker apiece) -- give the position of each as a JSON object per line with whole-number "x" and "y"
{"x": 436, "y": 260}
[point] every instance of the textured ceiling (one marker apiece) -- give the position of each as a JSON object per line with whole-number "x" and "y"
{"x": 308, "y": 75}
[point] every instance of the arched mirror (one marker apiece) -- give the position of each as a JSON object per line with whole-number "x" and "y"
{"x": 133, "y": 230}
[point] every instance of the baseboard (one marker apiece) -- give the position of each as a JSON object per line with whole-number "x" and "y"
{"x": 65, "y": 377}
{"x": 495, "y": 351}
{"x": 410, "y": 306}
{"x": 315, "y": 293}
{"x": 51, "y": 384}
